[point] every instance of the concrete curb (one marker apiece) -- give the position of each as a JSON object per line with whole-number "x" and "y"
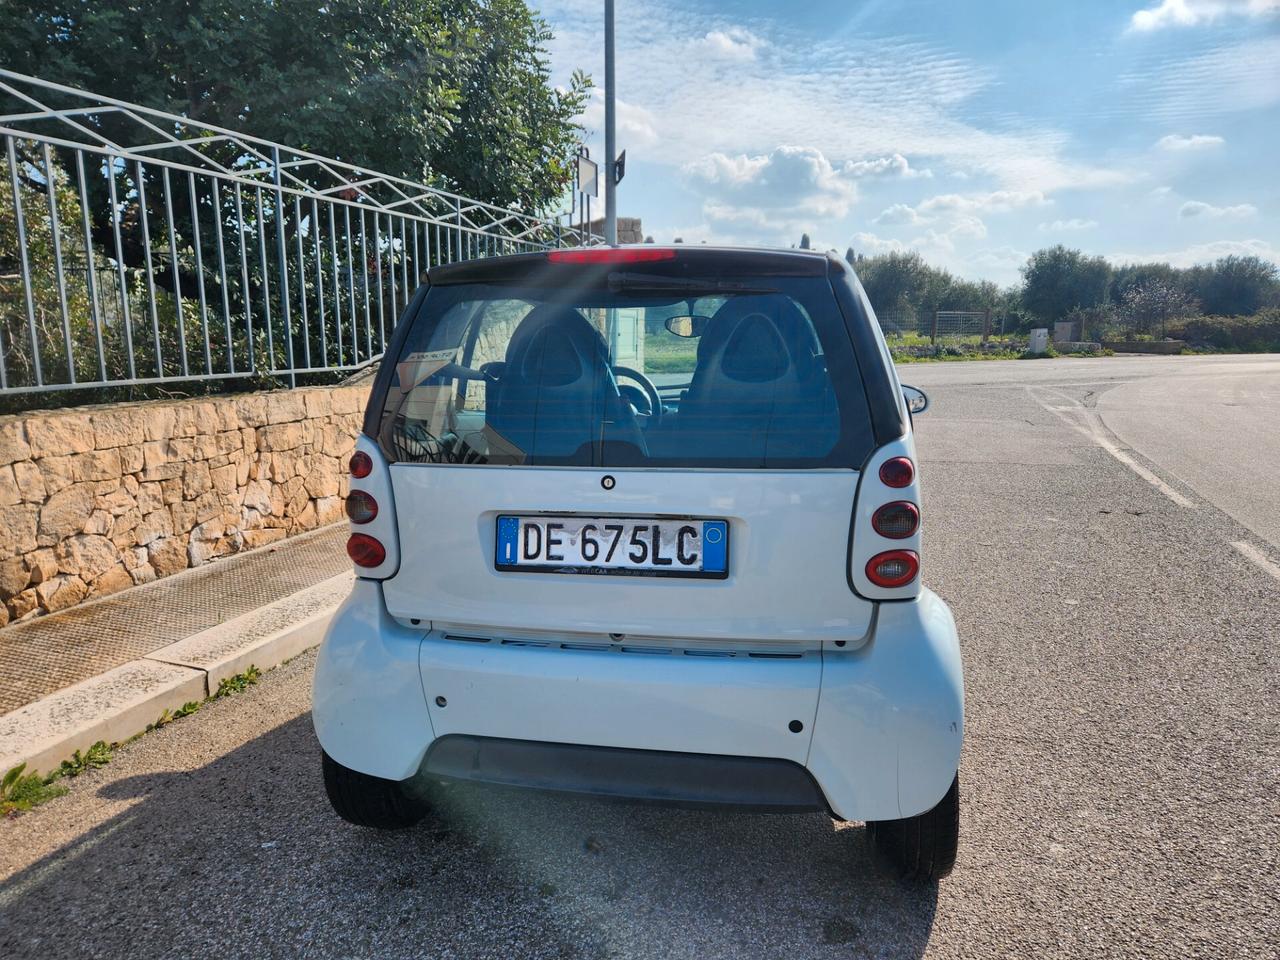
{"x": 121, "y": 702}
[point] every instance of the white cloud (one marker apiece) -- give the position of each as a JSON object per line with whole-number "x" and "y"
{"x": 637, "y": 126}
{"x": 889, "y": 95}
{"x": 1234, "y": 77}
{"x": 891, "y": 166}
{"x": 732, "y": 44}
{"x": 898, "y": 213}
{"x": 997, "y": 201}
{"x": 1189, "y": 13}
{"x": 1198, "y": 208}
{"x": 1204, "y": 253}
{"x": 1064, "y": 226}
{"x": 1197, "y": 141}
{"x": 782, "y": 191}
{"x": 869, "y": 244}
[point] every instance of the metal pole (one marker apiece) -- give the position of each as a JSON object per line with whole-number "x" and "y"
{"x": 610, "y": 132}
{"x": 282, "y": 262}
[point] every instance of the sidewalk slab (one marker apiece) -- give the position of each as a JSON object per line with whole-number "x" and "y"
{"x": 105, "y": 670}
{"x": 49, "y": 653}
{"x": 263, "y": 638}
{"x": 110, "y": 707}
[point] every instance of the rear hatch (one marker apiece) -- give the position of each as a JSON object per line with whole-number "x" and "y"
{"x": 662, "y": 448}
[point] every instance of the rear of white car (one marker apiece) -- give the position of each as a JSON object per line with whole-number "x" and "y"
{"x": 644, "y": 522}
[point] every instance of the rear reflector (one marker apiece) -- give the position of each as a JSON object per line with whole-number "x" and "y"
{"x": 361, "y": 464}
{"x": 361, "y": 508}
{"x": 895, "y": 520}
{"x": 365, "y": 551}
{"x": 612, "y": 255}
{"x": 897, "y": 473}
{"x": 895, "y": 568}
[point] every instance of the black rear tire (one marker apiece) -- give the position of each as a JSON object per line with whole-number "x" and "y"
{"x": 924, "y": 846}
{"x": 371, "y": 801}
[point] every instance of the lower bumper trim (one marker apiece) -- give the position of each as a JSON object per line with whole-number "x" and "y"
{"x": 658, "y": 776}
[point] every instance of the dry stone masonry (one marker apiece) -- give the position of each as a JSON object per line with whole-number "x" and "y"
{"x": 96, "y": 499}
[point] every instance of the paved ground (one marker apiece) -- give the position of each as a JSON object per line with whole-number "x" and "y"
{"x": 53, "y": 652}
{"x": 1121, "y": 771}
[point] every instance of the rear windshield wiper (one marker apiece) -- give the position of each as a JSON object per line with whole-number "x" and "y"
{"x": 648, "y": 281}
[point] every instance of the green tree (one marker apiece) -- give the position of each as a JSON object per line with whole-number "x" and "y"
{"x": 1056, "y": 280}
{"x": 455, "y": 92}
{"x": 1235, "y": 286}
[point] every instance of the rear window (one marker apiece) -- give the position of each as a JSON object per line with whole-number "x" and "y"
{"x": 617, "y": 372}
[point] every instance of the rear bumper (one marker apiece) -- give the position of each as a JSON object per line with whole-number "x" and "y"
{"x": 880, "y": 737}
{"x": 659, "y": 776}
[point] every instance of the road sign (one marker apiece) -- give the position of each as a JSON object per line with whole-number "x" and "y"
{"x": 588, "y": 176}
{"x": 620, "y": 167}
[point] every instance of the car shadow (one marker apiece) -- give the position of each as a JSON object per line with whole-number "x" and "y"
{"x": 243, "y": 857}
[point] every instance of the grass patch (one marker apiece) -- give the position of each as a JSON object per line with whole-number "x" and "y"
{"x": 239, "y": 683}
{"x": 167, "y": 717}
{"x": 99, "y": 755}
{"x": 944, "y": 357}
{"x": 20, "y": 791}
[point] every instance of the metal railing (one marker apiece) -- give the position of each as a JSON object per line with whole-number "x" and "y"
{"x": 138, "y": 246}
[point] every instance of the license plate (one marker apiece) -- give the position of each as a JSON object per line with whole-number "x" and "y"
{"x": 643, "y": 547}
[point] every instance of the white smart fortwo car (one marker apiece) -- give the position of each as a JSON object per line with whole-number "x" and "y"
{"x": 644, "y": 522}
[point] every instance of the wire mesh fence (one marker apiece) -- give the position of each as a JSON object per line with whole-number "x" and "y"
{"x": 943, "y": 326}
{"x": 137, "y": 247}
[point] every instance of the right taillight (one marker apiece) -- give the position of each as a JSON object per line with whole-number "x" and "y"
{"x": 361, "y": 464}
{"x": 897, "y": 472}
{"x": 894, "y": 568}
{"x": 365, "y": 551}
{"x": 361, "y": 508}
{"x": 897, "y": 520}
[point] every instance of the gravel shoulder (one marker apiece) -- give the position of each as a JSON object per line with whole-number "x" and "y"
{"x": 1121, "y": 775}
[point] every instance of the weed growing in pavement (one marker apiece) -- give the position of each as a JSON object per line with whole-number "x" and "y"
{"x": 167, "y": 718}
{"x": 99, "y": 755}
{"x": 21, "y": 791}
{"x": 239, "y": 683}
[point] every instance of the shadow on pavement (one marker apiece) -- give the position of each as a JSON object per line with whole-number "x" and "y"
{"x": 243, "y": 857}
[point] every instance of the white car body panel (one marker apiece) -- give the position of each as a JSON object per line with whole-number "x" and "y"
{"x": 788, "y": 550}
{"x": 883, "y": 723}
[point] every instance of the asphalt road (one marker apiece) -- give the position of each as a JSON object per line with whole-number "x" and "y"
{"x": 1121, "y": 771}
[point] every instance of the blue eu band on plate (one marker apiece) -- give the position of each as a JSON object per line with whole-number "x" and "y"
{"x": 636, "y": 546}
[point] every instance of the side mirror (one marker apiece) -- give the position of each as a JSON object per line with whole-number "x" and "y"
{"x": 917, "y": 400}
{"x": 687, "y": 326}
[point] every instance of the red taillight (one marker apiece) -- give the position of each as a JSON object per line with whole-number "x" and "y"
{"x": 612, "y": 255}
{"x": 894, "y": 568}
{"x": 897, "y": 473}
{"x": 896, "y": 520}
{"x": 361, "y": 464}
{"x": 361, "y": 508}
{"x": 365, "y": 551}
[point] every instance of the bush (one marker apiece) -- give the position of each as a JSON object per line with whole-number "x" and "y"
{"x": 1259, "y": 333}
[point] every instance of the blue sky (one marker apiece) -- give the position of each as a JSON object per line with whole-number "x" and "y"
{"x": 972, "y": 132}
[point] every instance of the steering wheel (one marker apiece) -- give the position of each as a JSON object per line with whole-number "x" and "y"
{"x": 650, "y": 391}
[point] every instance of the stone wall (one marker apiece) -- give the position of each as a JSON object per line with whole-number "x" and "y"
{"x": 96, "y": 499}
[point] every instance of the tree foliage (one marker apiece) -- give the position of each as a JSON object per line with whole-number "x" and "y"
{"x": 1064, "y": 284}
{"x": 1056, "y": 280}
{"x": 455, "y": 92}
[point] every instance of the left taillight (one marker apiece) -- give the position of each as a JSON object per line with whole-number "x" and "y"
{"x": 365, "y": 551}
{"x": 374, "y": 543}
{"x": 361, "y": 507}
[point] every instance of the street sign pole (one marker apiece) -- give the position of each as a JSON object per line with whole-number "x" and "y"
{"x": 610, "y": 133}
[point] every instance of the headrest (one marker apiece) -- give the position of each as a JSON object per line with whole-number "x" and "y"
{"x": 554, "y": 346}
{"x": 759, "y": 339}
